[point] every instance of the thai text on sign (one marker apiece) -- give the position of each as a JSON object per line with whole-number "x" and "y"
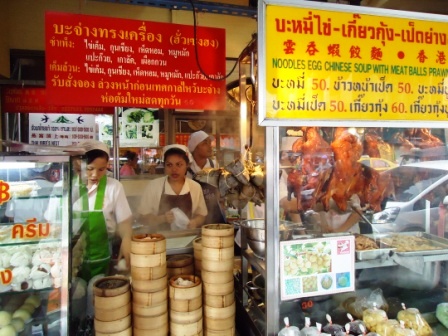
{"x": 60, "y": 129}
{"x": 101, "y": 61}
{"x": 25, "y": 100}
{"x": 330, "y": 65}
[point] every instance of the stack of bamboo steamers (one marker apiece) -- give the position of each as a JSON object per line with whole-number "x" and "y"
{"x": 217, "y": 265}
{"x": 198, "y": 305}
{"x": 149, "y": 285}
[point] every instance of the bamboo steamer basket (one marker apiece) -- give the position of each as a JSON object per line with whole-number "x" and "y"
{"x": 162, "y": 331}
{"x": 190, "y": 292}
{"x": 219, "y": 324}
{"x": 217, "y": 230}
{"x": 228, "y": 332}
{"x": 112, "y": 326}
{"x": 150, "y": 322}
{"x": 148, "y": 260}
{"x": 197, "y": 247}
{"x": 201, "y": 333}
{"x": 179, "y": 260}
{"x": 148, "y": 273}
{"x": 172, "y": 271}
{"x": 197, "y": 265}
{"x": 219, "y": 301}
{"x": 150, "y": 310}
{"x": 218, "y": 254}
{"x": 218, "y": 289}
{"x": 150, "y": 299}
{"x": 186, "y": 317}
{"x": 216, "y": 277}
{"x": 148, "y": 244}
{"x": 186, "y": 305}
{"x": 217, "y": 265}
{"x": 150, "y": 286}
{"x": 115, "y": 302}
{"x": 217, "y": 242}
{"x": 126, "y": 332}
{"x": 186, "y": 329}
{"x": 111, "y": 286}
{"x": 112, "y": 314}
{"x": 219, "y": 313}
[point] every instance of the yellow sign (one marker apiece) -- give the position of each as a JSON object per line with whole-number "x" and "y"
{"x": 333, "y": 65}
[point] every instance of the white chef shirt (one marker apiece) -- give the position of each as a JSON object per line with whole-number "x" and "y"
{"x": 115, "y": 206}
{"x": 150, "y": 201}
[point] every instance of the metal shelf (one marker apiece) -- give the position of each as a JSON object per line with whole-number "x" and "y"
{"x": 257, "y": 263}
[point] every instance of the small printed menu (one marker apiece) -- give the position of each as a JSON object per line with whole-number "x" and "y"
{"x": 317, "y": 266}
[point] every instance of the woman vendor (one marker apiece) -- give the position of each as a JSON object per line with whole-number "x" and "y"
{"x": 175, "y": 190}
{"x": 131, "y": 165}
{"x": 105, "y": 211}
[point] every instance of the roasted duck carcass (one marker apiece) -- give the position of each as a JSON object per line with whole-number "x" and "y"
{"x": 316, "y": 165}
{"x": 371, "y": 187}
{"x": 297, "y": 145}
{"x": 371, "y": 144}
{"x": 347, "y": 150}
{"x": 422, "y": 138}
{"x": 346, "y": 146}
{"x": 314, "y": 143}
{"x": 294, "y": 186}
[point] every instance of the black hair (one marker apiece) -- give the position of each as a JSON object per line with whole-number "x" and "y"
{"x": 94, "y": 154}
{"x": 130, "y": 155}
{"x": 176, "y": 151}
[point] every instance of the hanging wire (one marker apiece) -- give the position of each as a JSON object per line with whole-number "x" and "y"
{"x": 197, "y": 55}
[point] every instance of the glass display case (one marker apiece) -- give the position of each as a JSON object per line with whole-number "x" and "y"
{"x": 397, "y": 239}
{"x": 34, "y": 243}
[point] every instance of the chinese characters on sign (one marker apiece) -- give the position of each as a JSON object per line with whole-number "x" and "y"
{"x": 60, "y": 129}
{"x": 332, "y": 65}
{"x": 102, "y": 61}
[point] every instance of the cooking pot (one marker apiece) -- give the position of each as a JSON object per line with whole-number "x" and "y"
{"x": 257, "y": 287}
{"x": 255, "y": 229}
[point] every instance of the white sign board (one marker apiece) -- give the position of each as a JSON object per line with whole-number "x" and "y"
{"x": 317, "y": 266}
{"x": 57, "y": 129}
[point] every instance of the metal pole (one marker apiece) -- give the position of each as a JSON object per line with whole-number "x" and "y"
{"x": 116, "y": 143}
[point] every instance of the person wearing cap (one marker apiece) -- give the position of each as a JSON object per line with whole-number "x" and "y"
{"x": 200, "y": 147}
{"x": 175, "y": 190}
{"x": 21, "y": 209}
{"x": 105, "y": 211}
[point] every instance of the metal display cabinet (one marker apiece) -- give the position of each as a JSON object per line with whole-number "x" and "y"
{"x": 298, "y": 88}
{"x": 417, "y": 278}
{"x": 36, "y": 228}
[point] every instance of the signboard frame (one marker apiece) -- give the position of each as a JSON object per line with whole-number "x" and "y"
{"x": 264, "y": 119}
{"x": 317, "y": 266}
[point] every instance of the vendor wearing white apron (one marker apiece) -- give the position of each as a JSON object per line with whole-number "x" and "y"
{"x": 105, "y": 211}
{"x": 174, "y": 190}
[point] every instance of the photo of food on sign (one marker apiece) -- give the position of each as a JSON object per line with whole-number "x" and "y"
{"x": 138, "y": 127}
{"x": 307, "y": 258}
